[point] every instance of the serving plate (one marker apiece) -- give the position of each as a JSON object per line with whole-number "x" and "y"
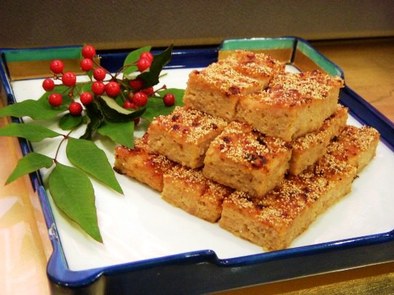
{"x": 150, "y": 246}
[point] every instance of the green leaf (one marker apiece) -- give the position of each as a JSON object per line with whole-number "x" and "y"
{"x": 121, "y": 133}
{"x": 29, "y": 131}
{"x": 96, "y": 118}
{"x": 156, "y": 107}
{"x": 69, "y": 122}
{"x": 90, "y": 74}
{"x": 34, "y": 109}
{"x": 114, "y": 112}
{"x": 129, "y": 71}
{"x": 38, "y": 109}
{"x": 85, "y": 155}
{"x": 73, "y": 194}
{"x": 151, "y": 77}
{"x": 29, "y": 163}
{"x": 130, "y": 60}
{"x": 86, "y": 87}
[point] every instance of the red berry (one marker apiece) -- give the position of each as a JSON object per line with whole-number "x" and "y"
{"x": 86, "y": 98}
{"x": 99, "y": 74}
{"x": 98, "y": 87}
{"x": 136, "y": 84}
{"x": 56, "y": 66}
{"x": 112, "y": 89}
{"x": 129, "y": 105}
{"x": 69, "y": 79}
{"x": 55, "y": 99}
{"x": 75, "y": 108}
{"x": 149, "y": 91}
{"x": 143, "y": 64}
{"x": 48, "y": 84}
{"x": 169, "y": 99}
{"x": 147, "y": 55}
{"x": 140, "y": 99}
{"x": 86, "y": 64}
{"x": 88, "y": 51}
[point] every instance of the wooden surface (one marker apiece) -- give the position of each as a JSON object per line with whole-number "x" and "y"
{"x": 25, "y": 247}
{"x": 24, "y": 242}
{"x": 368, "y": 66}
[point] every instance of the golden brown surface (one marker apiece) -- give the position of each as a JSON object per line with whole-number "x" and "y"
{"x": 292, "y": 105}
{"x": 142, "y": 164}
{"x": 275, "y": 219}
{"x": 189, "y": 190}
{"x": 217, "y": 88}
{"x": 256, "y": 65}
{"x": 246, "y": 160}
{"x": 23, "y": 266}
{"x": 360, "y": 60}
{"x": 353, "y": 145}
{"x": 307, "y": 149}
{"x": 184, "y": 136}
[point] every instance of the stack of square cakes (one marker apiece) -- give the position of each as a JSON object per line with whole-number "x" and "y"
{"x": 259, "y": 150}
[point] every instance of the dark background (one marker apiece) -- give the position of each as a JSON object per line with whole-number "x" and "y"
{"x": 126, "y": 24}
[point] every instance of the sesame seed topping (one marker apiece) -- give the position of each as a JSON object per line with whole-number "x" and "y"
{"x": 189, "y": 124}
{"x": 323, "y": 134}
{"x": 241, "y": 74}
{"x": 159, "y": 162}
{"x": 194, "y": 178}
{"x": 256, "y": 65}
{"x": 293, "y": 89}
{"x": 352, "y": 140}
{"x": 224, "y": 77}
{"x": 279, "y": 208}
{"x": 241, "y": 144}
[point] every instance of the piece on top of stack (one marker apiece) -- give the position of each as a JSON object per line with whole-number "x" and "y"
{"x": 260, "y": 150}
{"x": 217, "y": 89}
{"x": 252, "y": 88}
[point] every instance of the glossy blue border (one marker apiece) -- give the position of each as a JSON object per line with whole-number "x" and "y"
{"x": 202, "y": 271}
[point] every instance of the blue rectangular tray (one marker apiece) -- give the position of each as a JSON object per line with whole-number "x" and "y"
{"x": 202, "y": 271}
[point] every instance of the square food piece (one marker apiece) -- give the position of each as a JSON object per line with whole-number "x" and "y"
{"x": 217, "y": 88}
{"x": 275, "y": 220}
{"x": 184, "y": 135}
{"x": 189, "y": 190}
{"x": 309, "y": 148}
{"x": 292, "y": 105}
{"x": 142, "y": 164}
{"x": 256, "y": 65}
{"x": 247, "y": 160}
{"x": 356, "y": 146}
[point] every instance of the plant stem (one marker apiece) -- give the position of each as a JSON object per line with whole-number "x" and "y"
{"x": 65, "y": 137}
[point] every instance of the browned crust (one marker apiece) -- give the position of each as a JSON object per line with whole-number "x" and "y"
{"x": 307, "y": 149}
{"x": 189, "y": 190}
{"x": 142, "y": 164}
{"x": 277, "y": 218}
{"x": 246, "y": 160}
{"x": 184, "y": 135}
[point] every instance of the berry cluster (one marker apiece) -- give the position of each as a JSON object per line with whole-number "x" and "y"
{"x": 130, "y": 94}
